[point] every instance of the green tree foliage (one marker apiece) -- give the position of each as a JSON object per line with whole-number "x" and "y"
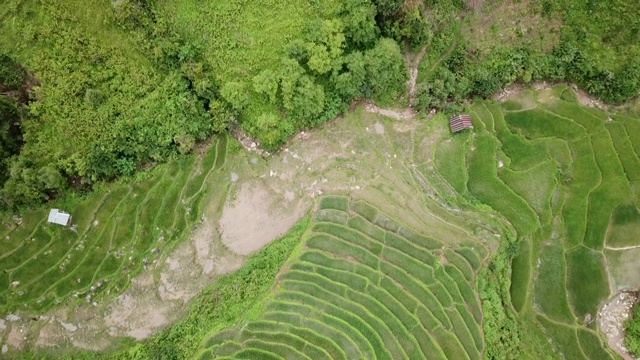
{"x": 235, "y": 93}
{"x": 386, "y": 73}
{"x": 632, "y": 329}
{"x": 266, "y": 83}
{"x": 348, "y": 78}
{"x": 415, "y": 29}
{"x": 388, "y": 8}
{"x": 360, "y": 28}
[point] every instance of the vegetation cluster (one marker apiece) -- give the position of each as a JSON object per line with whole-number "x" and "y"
{"x": 127, "y": 84}
{"x": 632, "y": 329}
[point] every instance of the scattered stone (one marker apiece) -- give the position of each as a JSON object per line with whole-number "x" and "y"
{"x": 234, "y": 177}
{"x": 15, "y": 283}
{"x": 161, "y": 238}
{"x": 17, "y": 219}
{"x": 100, "y": 283}
{"x": 93, "y": 289}
{"x": 5, "y": 348}
{"x": 611, "y": 319}
{"x": 2, "y": 324}
{"x": 89, "y": 298}
{"x": 272, "y": 173}
{"x": 74, "y": 228}
{"x": 145, "y": 261}
{"x": 500, "y": 164}
{"x": 588, "y": 319}
{"x": 253, "y": 145}
{"x": 95, "y": 303}
{"x": 155, "y": 251}
{"x": 68, "y": 326}
{"x": 79, "y": 280}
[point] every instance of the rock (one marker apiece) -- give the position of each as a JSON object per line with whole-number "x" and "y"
{"x": 15, "y": 283}
{"x": 93, "y": 289}
{"x": 5, "y": 348}
{"x": 12, "y": 317}
{"x": 79, "y": 280}
{"x": 100, "y": 283}
{"x": 2, "y": 324}
{"x": 234, "y": 177}
{"x": 253, "y": 145}
{"x": 68, "y": 326}
{"x": 155, "y": 251}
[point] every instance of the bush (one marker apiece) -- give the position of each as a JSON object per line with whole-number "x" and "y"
{"x": 632, "y": 329}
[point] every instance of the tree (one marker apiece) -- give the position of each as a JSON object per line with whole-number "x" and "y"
{"x": 326, "y": 43}
{"x": 386, "y": 71}
{"x": 349, "y": 76}
{"x": 234, "y": 92}
{"x": 360, "y": 28}
{"x": 388, "y": 8}
{"x": 266, "y": 83}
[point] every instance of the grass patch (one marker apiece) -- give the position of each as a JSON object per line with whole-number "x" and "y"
{"x": 537, "y": 123}
{"x": 591, "y": 345}
{"x": 549, "y": 293}
{"x": 520, "y": 275}
{"x": 563, "y": 338}
{"x": 365, "y": 210}
{"x": 450, "y": 159}
{"x": 334, "y": 202}
{"x": 485, "y": 185}
{"x": 587, "y": 280}
{"x": 624, "y": 229}
{"x": 535, "y": 185}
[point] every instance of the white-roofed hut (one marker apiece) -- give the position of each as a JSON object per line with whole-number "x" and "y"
{"x": 59, "y": 217}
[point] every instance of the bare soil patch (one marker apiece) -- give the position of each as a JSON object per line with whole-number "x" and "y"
{"x": 255, "y": 218}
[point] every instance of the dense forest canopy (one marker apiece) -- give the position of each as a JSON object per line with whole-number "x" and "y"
{"x": 125, "y": 84}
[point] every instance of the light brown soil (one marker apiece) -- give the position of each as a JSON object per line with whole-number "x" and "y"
{"x": 256, "y": 217}
{"x": 396, "y": 114}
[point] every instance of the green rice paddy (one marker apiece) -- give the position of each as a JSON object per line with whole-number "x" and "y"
{"x": 365, "y": 290}
{"x": 114, "y": 234}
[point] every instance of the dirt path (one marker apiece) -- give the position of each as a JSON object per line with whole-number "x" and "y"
{"x": 413, "y": 74}
{"x": 622, "y": 248}
{"x": 396, "y": 114}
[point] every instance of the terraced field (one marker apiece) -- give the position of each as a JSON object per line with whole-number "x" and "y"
{"x": 419, "y": 225}
{"x": 114, "y": 234}
{"x": 566, "y": 177}
{"x": 365, "y": 286}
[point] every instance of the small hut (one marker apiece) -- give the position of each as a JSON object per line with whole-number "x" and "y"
{"x": 58, "y": 217}
{"x": 460, "y": 122}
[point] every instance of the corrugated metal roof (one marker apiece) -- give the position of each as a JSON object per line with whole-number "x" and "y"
{"x": 58, "y": 217}
{"x": 460, "y": 122}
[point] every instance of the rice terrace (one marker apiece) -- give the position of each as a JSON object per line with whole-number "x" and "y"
{"x": 359, "y": 179}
